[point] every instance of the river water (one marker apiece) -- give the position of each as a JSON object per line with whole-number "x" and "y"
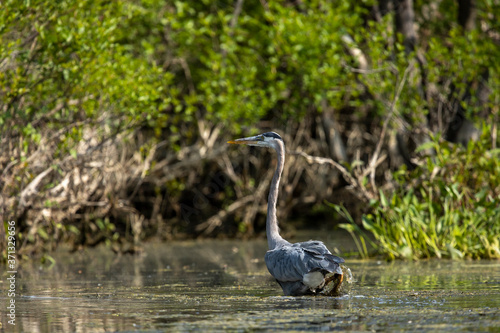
{"x": 216, "y": 285}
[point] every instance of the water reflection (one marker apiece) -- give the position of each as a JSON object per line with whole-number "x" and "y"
{"x": 225, "y": 285}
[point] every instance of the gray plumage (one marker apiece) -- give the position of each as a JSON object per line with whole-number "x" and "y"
{"x": 305, "y": 268}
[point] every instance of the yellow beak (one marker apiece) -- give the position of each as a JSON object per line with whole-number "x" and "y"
{"x": 242, "y": 142}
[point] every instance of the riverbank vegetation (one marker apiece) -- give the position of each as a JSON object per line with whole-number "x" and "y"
{"x": 115, "y": 117}
{"x": 447, "y": 207}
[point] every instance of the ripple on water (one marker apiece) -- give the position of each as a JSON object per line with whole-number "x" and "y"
{"x": 211, "y": 286}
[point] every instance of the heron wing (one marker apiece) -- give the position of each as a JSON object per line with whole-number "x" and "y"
{"x": 291, "y": 262}
{"x": 318, "y": 249}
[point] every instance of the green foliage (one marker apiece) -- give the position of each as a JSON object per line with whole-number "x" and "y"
{"x": 359, "y": 236}
{"x": 162, "y": 64}
{"x": 65, "y": 68}
{"x": 448, "y": 207}
{"x": 268, "y": 59}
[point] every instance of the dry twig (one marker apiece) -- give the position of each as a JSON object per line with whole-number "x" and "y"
{"x": 215, "y": 221}
{"x": 373, "y": 162}
{"x": 356, "y": 183}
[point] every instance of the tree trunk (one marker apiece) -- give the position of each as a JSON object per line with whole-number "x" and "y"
{"x": 466, "y": 14}
{"x": 404, "y": 19}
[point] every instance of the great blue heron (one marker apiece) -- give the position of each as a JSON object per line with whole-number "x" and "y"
{"x": 306, "y": 268}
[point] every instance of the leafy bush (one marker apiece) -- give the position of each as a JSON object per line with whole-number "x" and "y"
{"x": 448, "y": 207}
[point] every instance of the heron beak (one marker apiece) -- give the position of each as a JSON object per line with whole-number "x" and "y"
{"x": 248, "y": 141}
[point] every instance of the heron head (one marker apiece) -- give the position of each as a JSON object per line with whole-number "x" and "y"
{"x": 267, "y": 139}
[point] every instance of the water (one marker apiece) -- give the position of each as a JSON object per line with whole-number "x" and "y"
{"x": 224, "y": 285}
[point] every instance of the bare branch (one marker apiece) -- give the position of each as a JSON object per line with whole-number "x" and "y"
{"x": 350, "y": 179}
{"x": 234, "y": 20}
{"x": 373, "y": 162}
{"x": 32, "y": 188}
{"x": 215, "y": 221}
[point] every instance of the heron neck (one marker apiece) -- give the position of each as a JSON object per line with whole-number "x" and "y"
{"x": 273, "y": 236}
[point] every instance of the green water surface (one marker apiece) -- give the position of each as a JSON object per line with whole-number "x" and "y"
{"x": 224, "y": 286}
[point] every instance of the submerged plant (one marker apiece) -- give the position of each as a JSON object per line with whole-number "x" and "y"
{"x": 448, "y": 207}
